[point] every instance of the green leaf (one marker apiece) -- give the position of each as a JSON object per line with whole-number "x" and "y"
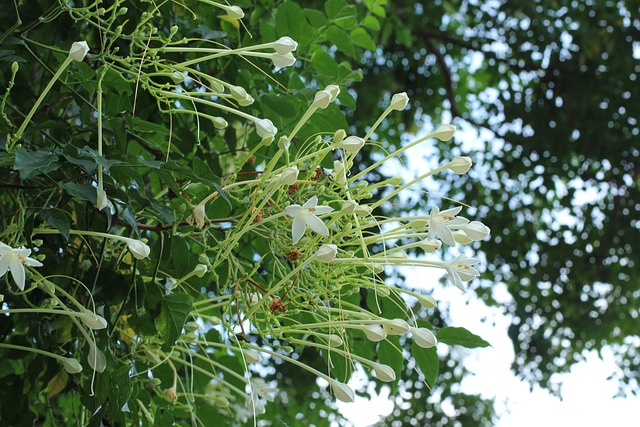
{"x": 460, "y": 336}
{"x": 57, "y": 383}
{"x": 371, "y": 22}
{"x": 428, "y": 362}
{"x": 33, "y": 163}
{"x": 58, "y": 219}
{"x": 339, "y": 38}
{"x": 342, "y": 14}
{"x": 83, "y": 192}
{"x": 361, "y": 38}
{"x": 173, "y": 312}
{"x": 291, "y": 21}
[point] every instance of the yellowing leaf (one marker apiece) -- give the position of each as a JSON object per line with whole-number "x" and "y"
{"x": 57, "y": 383}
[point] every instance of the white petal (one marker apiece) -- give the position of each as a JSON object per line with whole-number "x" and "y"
{"x": 17, "y": 271}
{"x": 445, "y": 234}
{"x": 321, "y": 210}
{"x": 311, "y": 203}
{"x": 316, "y": 225}
{"x": 293, "y": 210}
{"x": 4, "y": 265}
{"x": 298, "y": 228}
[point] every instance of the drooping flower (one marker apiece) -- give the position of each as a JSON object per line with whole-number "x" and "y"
{"x": 444, "y": 132}
{"x": 199, "y": 214}
{"x": 476, "y": 230}
{"x": 96, "y": 358}
{"x": 260, "y": 387}
{"x": 460, "y": 270}
{"x": 14, "y": 260}
{"x": 92, "y": 320}
{"x": 78, "y": 51}
{"x": 439, "y": 223}
{"x": 327, "y": 252}
{"x": 306, "y": 215}
{"x": 423, "y": 337}
{"x": 102, "y": 201}
{"x": 282, "y": 61}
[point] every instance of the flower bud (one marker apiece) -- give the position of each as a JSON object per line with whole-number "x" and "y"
{"x": 284, "y": 143}
{"x": 460, "y": 164}
{"x": 96, "y": 358}
{"x": 71, "y": 365}
{"x": 395, "y": 327}
{"x": 383, "y": 372}
{"x": 461, "y": 237}
{"x": 327, "y": 252}
{"x": 352, "y": 144}
{"x": 342, "y": 391}
{"x": 374, "y": 333}
{"x": 234, "y": 12}
{"x": 282, "y": 61}
{"x": 138, "y": 248}
{"x": 423, "y": 337}
{"x": 430, "y": 245}
{"x": 382, "y": 290}
{"x": 335, "y": 340}
{"x": 288, "y": 176}
{"x": 266, "y": 130}
{"x": 427, "y": 301}
{"x": 14, "y": 67}
{"x": 200, "y": 270}
{"x": 284, "y": 45}
{"x": 363, "y": 210}
{"x": 92, "y": 320}
{"x": 444, "y": 132}
{"x": 251, "y": 356}
{"x": 348, "y": 207}
{"x": 78, "y": 51}
{"x": 399, "y": 101}
{"x": 198, "y": 215}
{"x": 476, "y": 230}
{"x": 334, "y": 90}
{"x": 338, "y": 136}
{"x": 321, "y": 100}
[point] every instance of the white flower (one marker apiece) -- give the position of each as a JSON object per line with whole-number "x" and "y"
{"x": 476, "y": 230}
{"x": 395, "y": 327}
{"x": 327, "y": 252}
{"x": 383, "y": 372}
{"x": 444, "y": 132}
{"x": 234, "y": 12}
{"x": 460, "y": 270}
{"x": 138, "y": 248}
{"x": 265, "y": 129}
{"x": 423, "y": 337}
{"x": 14, "y": 260}
{"x": 337, "y": 174}
{"x": 342, "y": 391}
{"x": 102, "y": 201}
{"x": 460, "y": 164}
{"x": 351, "y": 144}
{"x": 92, "y": 320}
{"x": 305, "y": 215}
{"x": 284, "y": 45}
{"x": 439, "y": 223}
{"x": 78, "y": 51}
{"x": 374, "y": 333}
{"x": 96, "y": 358}
{"x": 71, "y": 365}
{"x": 288, "y": 176}
{"x": 322, "y": 99}
{"x": 399, "y": 101}
{"x": 260, "y": 387}
{"x": 282, "y": 61}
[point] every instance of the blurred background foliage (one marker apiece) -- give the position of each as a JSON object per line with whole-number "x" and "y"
{"x": 550, "y": 90}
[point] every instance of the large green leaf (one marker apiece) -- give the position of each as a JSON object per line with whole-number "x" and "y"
{"x": 460, "y": 336}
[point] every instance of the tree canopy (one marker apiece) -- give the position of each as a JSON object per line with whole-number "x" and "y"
{"x": 194, "y": 223}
